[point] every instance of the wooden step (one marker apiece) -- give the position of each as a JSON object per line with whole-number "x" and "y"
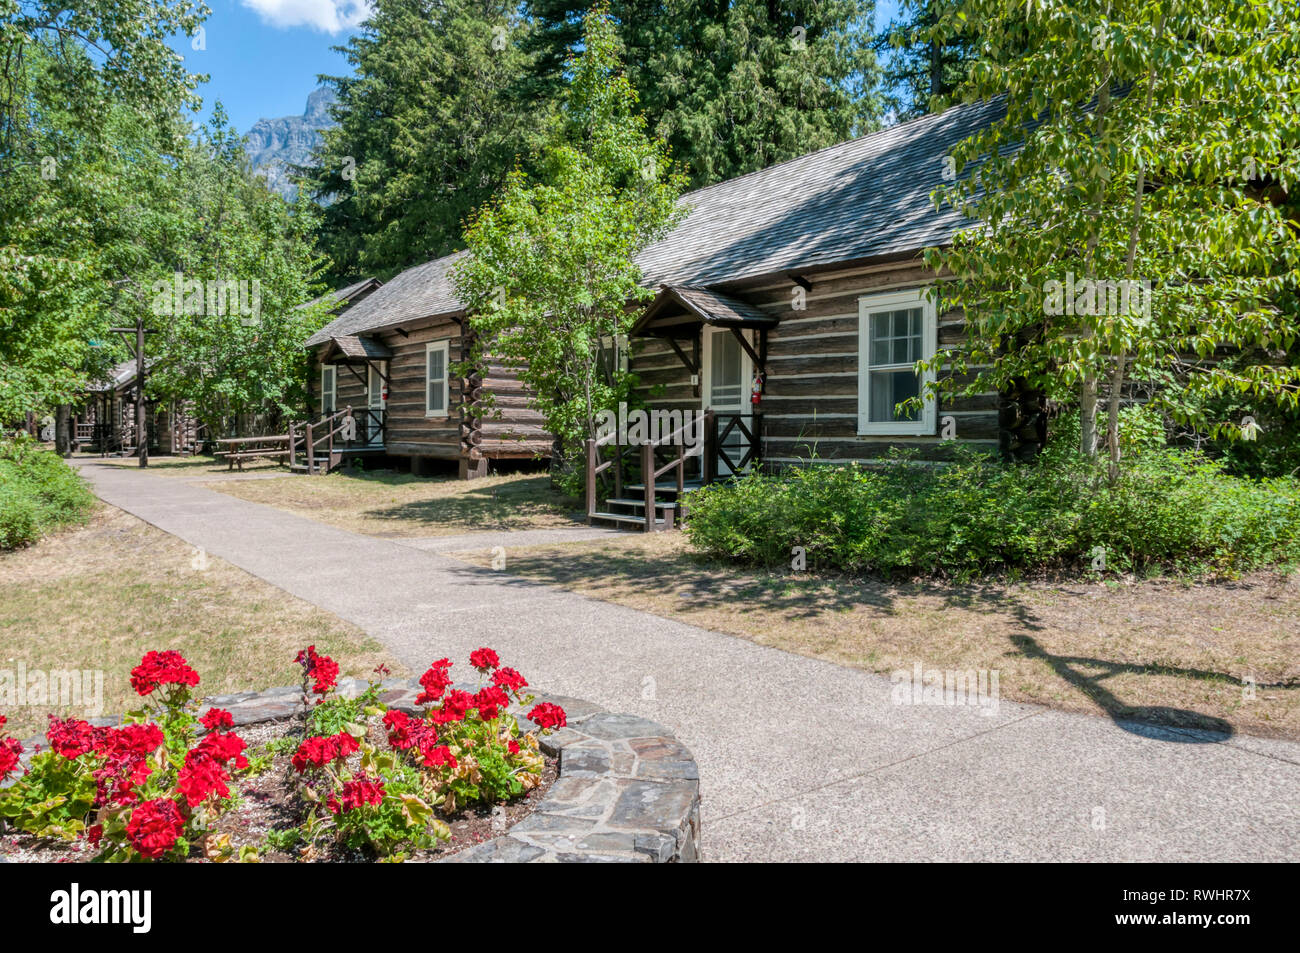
{"x": 659, "y": 504}
{"x": 663, "y": 487}
{"x": 624, "y": 518}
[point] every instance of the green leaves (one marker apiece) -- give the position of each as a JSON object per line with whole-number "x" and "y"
{"x": 550, "y": 270}
{"x": 429, "y": 127}
{"x": 1128, "y": 128}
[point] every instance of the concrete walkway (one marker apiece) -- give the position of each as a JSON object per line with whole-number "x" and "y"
{"x": 799, "y": 759}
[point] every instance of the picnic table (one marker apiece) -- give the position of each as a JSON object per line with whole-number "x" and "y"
{"x": 247, "y": 448}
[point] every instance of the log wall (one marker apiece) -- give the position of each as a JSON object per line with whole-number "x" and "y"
{"x": 810, "y": 404}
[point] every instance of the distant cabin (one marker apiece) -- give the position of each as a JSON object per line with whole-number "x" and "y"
{"x": 104, "y": 418}
{"x": 791, "y": 302}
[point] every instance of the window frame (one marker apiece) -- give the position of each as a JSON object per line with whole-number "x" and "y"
{"x": 445, "y": 348}
{"x": 869, "y": 305}
{"x": 332, "y": 371}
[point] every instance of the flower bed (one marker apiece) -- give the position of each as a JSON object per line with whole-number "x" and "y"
{"x": 624, "y": 789}
{"x": 353, "y": 778}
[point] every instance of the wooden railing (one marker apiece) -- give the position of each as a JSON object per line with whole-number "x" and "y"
{"x": 722, "y": 426}
{"x": 315, "y": 434}
{"x": 650, "y": 473}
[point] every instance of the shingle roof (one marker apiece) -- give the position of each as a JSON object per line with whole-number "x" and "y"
{"x": 342, "y": 295}
{"x": 710, "y": 306}
{"x": 865, "y": 198}
{"x": 415, "y": 293}
{"x": 350, "y": 345}
{"x": 121, "y": 375}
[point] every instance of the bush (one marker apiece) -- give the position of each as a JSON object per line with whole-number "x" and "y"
{"x": 38, "y": 492}
{"x": 1169, "y": 510}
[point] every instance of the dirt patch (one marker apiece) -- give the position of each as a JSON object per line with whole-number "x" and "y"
{"x": 399, "y": 505}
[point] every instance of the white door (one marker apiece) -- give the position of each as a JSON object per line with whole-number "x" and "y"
{"x": 377, "y": 402}
{"x": 728, "y": 376}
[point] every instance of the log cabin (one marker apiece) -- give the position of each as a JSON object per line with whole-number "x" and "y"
{"x": 390, "y": 358}
{"x": 104, "y": 417}
{"x": 790, "y": 304}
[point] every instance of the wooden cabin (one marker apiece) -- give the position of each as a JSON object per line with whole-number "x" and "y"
{"x": 391, "y": 356}
{"x": 791, "y": 307}
{"x": 104, "y": 419}
{"x": 793, "y": 300}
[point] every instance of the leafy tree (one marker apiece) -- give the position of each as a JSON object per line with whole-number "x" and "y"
{"x": 1149, "y": 142}
{"x": 550, "y": 270}
{"x": 223, "y": 224}
{"x": 71, "y": 81}
{"x": 428, "y": 128}
{"x": 732, "y": 85}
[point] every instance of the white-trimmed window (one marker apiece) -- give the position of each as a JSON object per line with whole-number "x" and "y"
{"x": 436, "y": 356}
{"x": 328, "y": 388}
{"x": 895, "y": 330}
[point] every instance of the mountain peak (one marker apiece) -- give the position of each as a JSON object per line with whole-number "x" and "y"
{"x": 275, "y": 144}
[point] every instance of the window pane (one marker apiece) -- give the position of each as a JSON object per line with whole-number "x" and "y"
{"x": 890, "y": 388}
{"x": 900, "y": 324}
{"x": 724, "y": 365}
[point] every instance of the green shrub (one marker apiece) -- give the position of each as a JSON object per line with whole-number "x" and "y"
{"x": 38, "y": 492}
{"x": 1169, "y": 510}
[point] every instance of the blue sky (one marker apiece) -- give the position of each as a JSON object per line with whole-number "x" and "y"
{"x": 263, "y": 56}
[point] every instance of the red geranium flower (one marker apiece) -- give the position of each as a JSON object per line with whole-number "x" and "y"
{"x": 435, "y": 681}
{"x": 489, "y": 701}
{"x": 201, "y": 776}
{"x": 224, "y": 747}
{"x": 215, "y": 718}
{"x": 440, "y": 755}
{"x": 155, "y": 827}
{"x": 547, "y": 716}
{"x": 484, "y": 659}
{"x": 512, "y": 746}
{"x": 405, "y": 732}
{"x": 125, "y": 751}
{"x": 319, "y": 751}
{"x": 71, "y": 738}
{"x": 10, "y": 749}
{"x": 357, "y": 792}
{"x": 162, "y": 668}
{"x": 509, "y": 679}
{"x": 453, "y": 707}
{"x": 321, "y": 668}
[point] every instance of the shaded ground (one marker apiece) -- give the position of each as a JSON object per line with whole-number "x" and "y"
{"x": 396, "y": 505}
{"x": 195, "y": 466}
{"x": 100, "y": 596}
{"x": 1157, "y": 651}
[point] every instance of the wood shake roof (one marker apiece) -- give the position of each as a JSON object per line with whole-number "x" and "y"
{"x": 862, "y": 199}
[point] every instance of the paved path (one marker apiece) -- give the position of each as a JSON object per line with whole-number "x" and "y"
{"x": 799, "y": 759}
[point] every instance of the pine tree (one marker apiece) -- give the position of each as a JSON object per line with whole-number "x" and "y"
{"x": 918, "y": 65}
{"x": 733, "y": 85}
{"x": 429, "y": 124}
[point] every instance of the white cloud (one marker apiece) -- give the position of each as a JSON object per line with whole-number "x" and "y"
{"x": 328, "y": 16}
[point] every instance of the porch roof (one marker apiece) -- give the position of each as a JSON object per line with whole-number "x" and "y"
{"x": 685, "y": 307}
{"x": 352, "y": 347}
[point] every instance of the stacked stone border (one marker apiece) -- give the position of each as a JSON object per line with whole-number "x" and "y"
{"x": 627, "y": 790}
